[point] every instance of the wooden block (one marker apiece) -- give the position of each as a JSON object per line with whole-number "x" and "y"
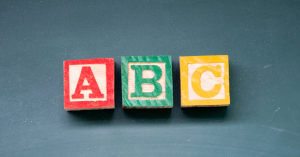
{"x": 89, "y": 84}
{"x": 204, "y": 81}
{"x": 147, "y": 82}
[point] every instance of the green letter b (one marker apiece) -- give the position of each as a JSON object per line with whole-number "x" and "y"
{"x": 139, "y": 80}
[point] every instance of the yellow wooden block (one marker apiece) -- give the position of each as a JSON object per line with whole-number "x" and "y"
{"x": 204, "y": 81}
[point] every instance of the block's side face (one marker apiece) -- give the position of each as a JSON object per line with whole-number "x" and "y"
{"x": 110, "y": 74}
{"x": 184, "y": 80}
{"x": 147, "y": 81}
{"x": 226, "y": 83}
{"x": 169, "y": 82}
{"x": 66, "y": 85}
{"x": 204, "y": 81}
{"x": 124, "y": 79}
{"x": 89, "y": 84}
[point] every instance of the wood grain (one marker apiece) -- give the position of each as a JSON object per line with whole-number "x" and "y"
{"x": 164, "y": 94}
{"x": 204, "y": 81}
{"x": 100, "y": 79}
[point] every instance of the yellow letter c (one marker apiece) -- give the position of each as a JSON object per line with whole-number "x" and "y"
{"x": 196, "y": 82}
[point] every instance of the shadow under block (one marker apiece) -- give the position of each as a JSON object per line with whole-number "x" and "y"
{"x": 89, "y": 84}
{"x": 147, "y": 82}
{"x": 204, "y": 81}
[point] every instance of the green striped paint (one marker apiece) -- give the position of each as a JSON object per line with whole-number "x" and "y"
{"x": 155, "y": 103}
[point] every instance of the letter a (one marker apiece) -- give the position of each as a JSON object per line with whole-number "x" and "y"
{"x": 86, "y": 73}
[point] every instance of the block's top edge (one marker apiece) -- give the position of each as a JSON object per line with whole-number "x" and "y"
{"x": 125, "y": 59}
{"x": 111, "y": 59}
{"x": 203, "y": 59}
{"x": 147, "y": 56}
{"x": 205, "y": 56}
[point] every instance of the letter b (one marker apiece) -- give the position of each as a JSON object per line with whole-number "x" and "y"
{"x": 139, "y": 80}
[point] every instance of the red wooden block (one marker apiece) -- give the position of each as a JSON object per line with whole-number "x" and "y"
{"x": 89, "y": 84}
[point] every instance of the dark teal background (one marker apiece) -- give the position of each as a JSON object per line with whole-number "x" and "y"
{"x": 262, "y": 39}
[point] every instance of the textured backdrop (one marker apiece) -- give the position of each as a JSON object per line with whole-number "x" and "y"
{"x": 262, "y": 39}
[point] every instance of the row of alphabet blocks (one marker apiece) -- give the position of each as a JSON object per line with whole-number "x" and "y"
{"x": 146, "y": 82}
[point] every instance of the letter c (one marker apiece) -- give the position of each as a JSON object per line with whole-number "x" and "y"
{"x": 196, "y": 82}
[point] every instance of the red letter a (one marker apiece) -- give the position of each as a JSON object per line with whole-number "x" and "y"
{"x": 86, "y": 73}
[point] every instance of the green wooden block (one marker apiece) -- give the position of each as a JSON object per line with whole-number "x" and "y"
{"x": 147, "y": 82}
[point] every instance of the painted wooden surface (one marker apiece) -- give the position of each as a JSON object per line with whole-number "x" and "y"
{"x": 147, "y": 82}
{"x": 89, "y": 84}
{"x": 204, "y": 81}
